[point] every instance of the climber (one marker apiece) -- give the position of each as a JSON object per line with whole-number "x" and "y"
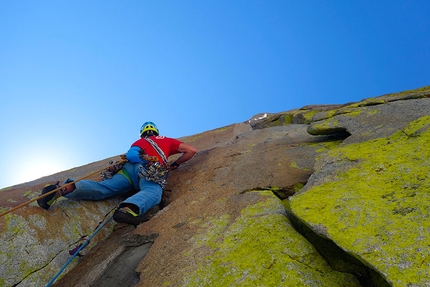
{"x": 145, "y": 171}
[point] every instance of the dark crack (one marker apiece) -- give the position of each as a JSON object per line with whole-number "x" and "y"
{"x": 336, "y": 133}
{"x": 122, "y": 270}
{"x": 138, "y": 240}
{"x": 337, "y": 258}
{"x": 280, "y": 192}
{"x": 37, "y": 270}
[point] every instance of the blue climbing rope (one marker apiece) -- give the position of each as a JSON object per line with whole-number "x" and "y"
{"x": 77, "y": 251}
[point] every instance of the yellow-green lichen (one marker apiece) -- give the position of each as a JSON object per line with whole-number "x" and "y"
{"x": 367, "y": 102}
{"x": 308, "y": 115}
{"x": 16, "y": 238}
{"x": 352, "y": 112}
{"x": 325, "y": 146}
{"x": 328, "y": 119}
{"x": 373, "y": 112}
{"x": 298, "y": 186}
{"x": 192, "y": 138}
{"x": 328, "y": 124}
{"x": 29, "y": 193}
{"x": 331, "y": 113}
{"x": 407, "y": 92}
{"x": 284, "y": 119}
{"x": 221, "y": 129}
{"x": 214, "y": 228}
{"x": 299, "y": 116}
{"x": 261, "y": 248}
{"x": 370, "y": 207}
{"x": 296, "y": 165}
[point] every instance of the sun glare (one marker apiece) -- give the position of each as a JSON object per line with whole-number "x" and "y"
{"x": 35, "y": 170}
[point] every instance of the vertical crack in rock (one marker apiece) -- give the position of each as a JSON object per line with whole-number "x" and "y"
{"x": 122, "y": 270}
{"x": 41, "y": 268}
{"x": 337, "y": 258}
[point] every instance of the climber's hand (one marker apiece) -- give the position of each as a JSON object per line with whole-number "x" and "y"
{"x": 173, "y": 166}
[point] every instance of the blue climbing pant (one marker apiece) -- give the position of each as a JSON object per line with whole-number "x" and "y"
{"x": 149, "y": 193}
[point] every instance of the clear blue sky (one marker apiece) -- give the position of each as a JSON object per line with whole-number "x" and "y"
{"x": 78, "y": 78}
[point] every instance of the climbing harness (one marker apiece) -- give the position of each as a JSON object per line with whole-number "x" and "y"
{"x": 154, "y": 170}
{"x": 158, "y": 149}
{"x": 53, "y": 191}
{"x": 76, "y": 252}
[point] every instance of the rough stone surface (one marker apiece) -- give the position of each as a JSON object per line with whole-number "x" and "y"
{"x": 374, "y": 203}
{"x": 324, "y": 195}
{"x": 36, "y": 243}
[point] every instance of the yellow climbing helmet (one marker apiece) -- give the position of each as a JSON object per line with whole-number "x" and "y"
{"x": 149, "y": 128}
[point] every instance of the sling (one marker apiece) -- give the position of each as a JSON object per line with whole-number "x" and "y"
{"x": 157, "y": 149}
{"x": 154, "y": 171}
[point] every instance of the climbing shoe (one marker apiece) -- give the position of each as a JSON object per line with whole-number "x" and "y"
{"x": 126, "y": 215}
{"x": 47, "y": 201}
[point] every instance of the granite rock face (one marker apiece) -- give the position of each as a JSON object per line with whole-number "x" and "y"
{"x": 371, "y": 194}
{"x": 328, "y": 195}
{"x": 35, "y": 243}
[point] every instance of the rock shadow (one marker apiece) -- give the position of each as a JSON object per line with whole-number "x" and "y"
{"x": 122, "y": 270}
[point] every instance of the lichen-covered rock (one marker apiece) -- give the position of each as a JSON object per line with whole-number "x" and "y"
{"x": 297, "y": 116}
{"x": 357, "y": 179}
{"x": 367, "y": 118}
{"x": 259, "y": 248}
{"x": 360, "y": 124}
{"x": 35, "y": 243}
{"x": 372, "y": 199}
{"x": 211, "y": 206}
{"x": 231, "y": 160}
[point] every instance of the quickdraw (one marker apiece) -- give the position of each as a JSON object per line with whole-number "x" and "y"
{"x": 113, "y": 168}
{"x": 144, "y": 157}
{"x": 154, "y": 172}
{"x": 78, "y": 249}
